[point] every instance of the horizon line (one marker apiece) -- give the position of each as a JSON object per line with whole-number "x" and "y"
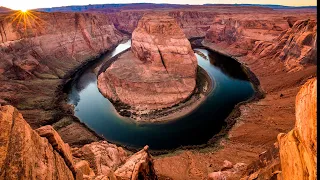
{"x": 175, "y": 4}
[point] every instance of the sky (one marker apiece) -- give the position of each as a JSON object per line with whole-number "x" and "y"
{"x": 31, "y": 4}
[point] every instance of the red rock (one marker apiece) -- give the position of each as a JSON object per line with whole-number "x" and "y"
{"x": 26, "y": 155}
{"x": 160, "y": 74}
{"x": 103, "y": 157}
{"x": 138, "y": 166}
{"x": 298, "y": 148}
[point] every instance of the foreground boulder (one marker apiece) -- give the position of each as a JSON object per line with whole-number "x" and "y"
{"x": 159, "y": 71}
{"x": 103, "y": 157}
{"x": 138, "y": 166}
{"x": 41, "y": 154}
{"x": 26, "y": 155}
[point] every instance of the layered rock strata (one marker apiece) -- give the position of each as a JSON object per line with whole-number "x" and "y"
{"x": 290, "y": 40}
{"x": 159, "y": 71}
{"x": 36, "y": 54}
{"x": 41, "y": 154}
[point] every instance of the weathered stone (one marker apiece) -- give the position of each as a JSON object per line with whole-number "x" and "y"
{"x": 217, "y": 176}
{"x": 103, "y": 157}
{"x": 84, "y": 167}
{"x": 158, "y": 72}
{"x": 298, "y": 148}
{"x": 26, "y": 155}
{"x": 57, "y": 143}
{"x": 138, "y": 166}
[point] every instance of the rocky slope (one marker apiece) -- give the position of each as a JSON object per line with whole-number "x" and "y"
{"x": 290, "y": 40}
{"x": 159, "y": 71}
{"x": 247, "y": 140}
{"x": 40, "y": 54}
{"x": 294, "y": 154}
{"x": 42, "y": 154}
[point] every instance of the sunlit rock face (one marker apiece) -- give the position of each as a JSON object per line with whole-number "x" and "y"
{"x": 26, "y": 155}
{"x": 52, "y": 43}
{"x": 298, "y": 148}
{"x": 159, "y": 71}
{"x": 41, "y": 154}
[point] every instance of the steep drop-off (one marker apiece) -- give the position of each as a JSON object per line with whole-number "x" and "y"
{"x": 42, "y": 154}
{"x": 39, "y": 53}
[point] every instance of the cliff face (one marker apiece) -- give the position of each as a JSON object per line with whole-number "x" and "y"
{"x": 26, "y": 155}
{"x": 158, "y": 72}
{"x": 298, "y": 148}
{"x": 34, "y": 60}
{"x": 296, "y": 47}
{"x": 51, "y": 41}
{"x": 41, "y": 154}
{"x": 193, "y": 23}
{"x": 287, "y": 39}
{"x": 160, "y": 41}
{"x": 241, "y": 32}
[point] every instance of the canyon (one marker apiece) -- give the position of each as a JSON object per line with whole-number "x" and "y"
{"x": 278, "y": 46}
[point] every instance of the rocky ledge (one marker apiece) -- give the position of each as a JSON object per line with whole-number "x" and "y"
{"x": 159, "y": 72}
{"x": 42, "y": 154}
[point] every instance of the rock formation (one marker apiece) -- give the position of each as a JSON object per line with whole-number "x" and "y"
{"x": 298, "y": 148}
{"x": 296, "y": 47}
{"x": 290, "y": 40}
{"x": 159, "y": 71}
{"x": 35, "y": 59}
{"x": 24, "y": 154}
{"x": 41, "y": 154}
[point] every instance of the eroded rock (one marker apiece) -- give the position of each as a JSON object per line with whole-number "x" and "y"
{"x": 138, "y": 166}
{"x": 298, "y": 148}
{"x": 158, "y": 72}
{"x": 26, "y": 155}
{"x": 103, "y": 157}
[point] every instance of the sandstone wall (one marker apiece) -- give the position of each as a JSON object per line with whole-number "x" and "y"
{"x": 193, "y": 23}
{"x": 33, "y": 61}
{"x": 41, "y": 154}
{"x": 26, "y": 155}
{"x": 298, "y": 148}
{"x": 291, "y": 40}
{"x": 52, "y": 43}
